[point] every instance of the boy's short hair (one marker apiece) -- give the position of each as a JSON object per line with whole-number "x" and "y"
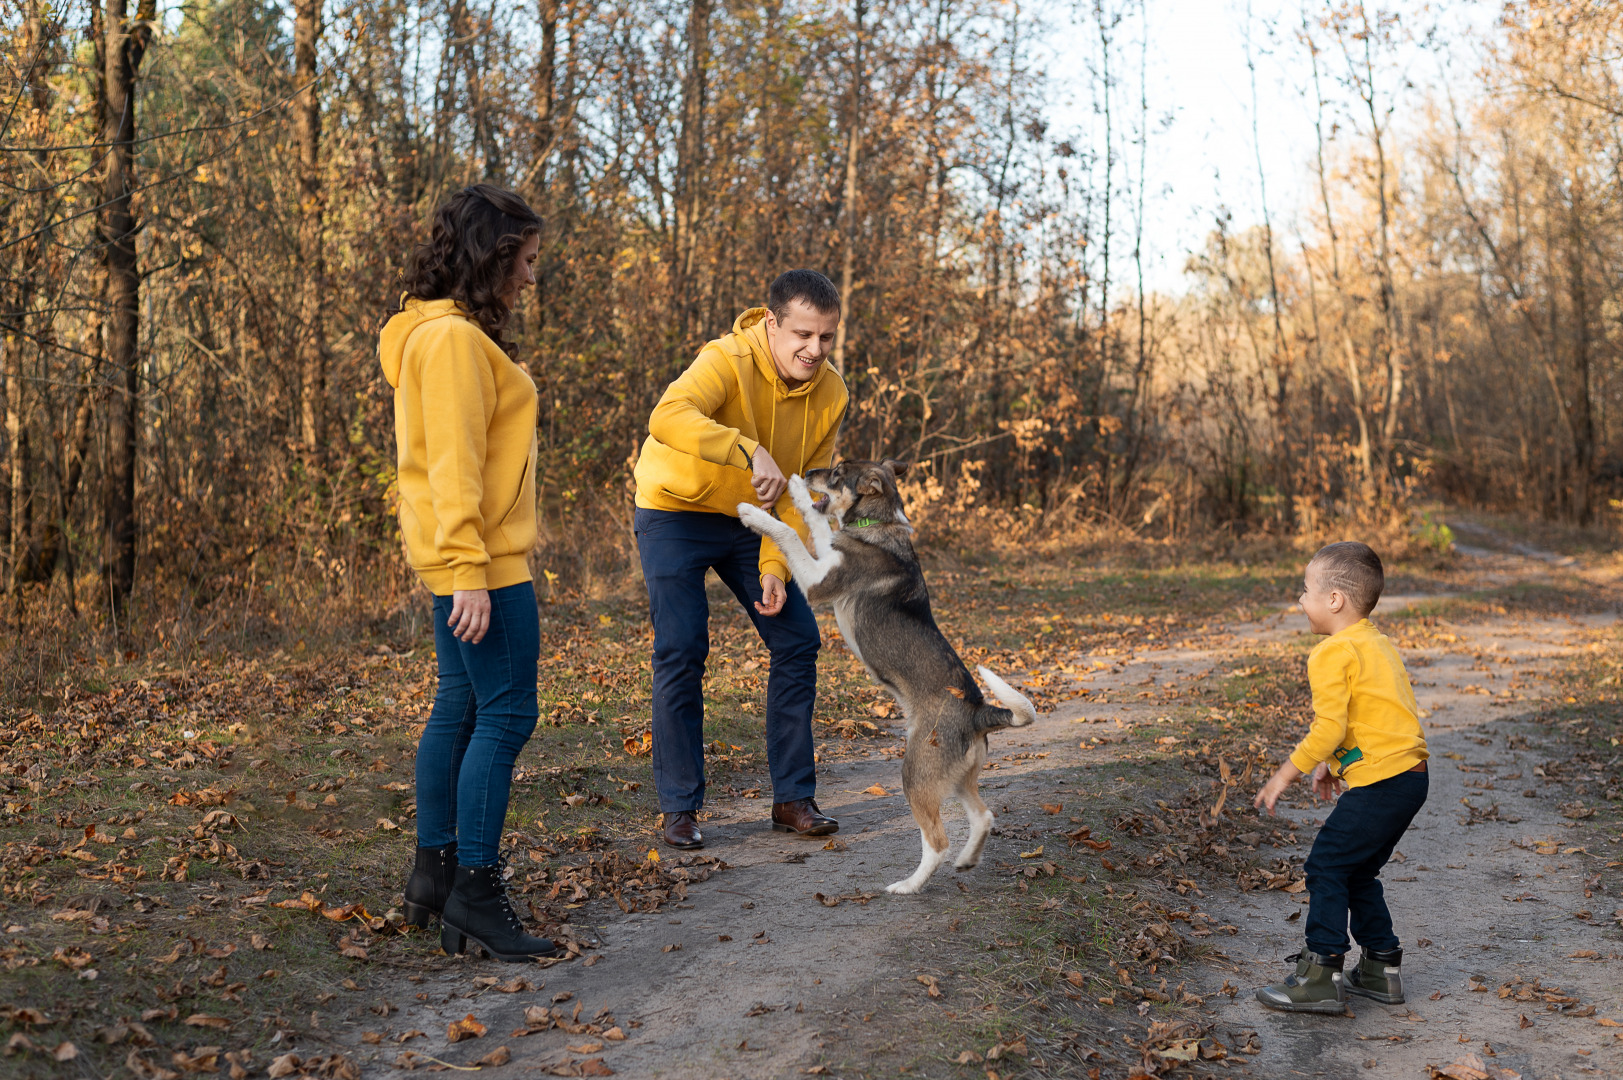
{"x": 807, "y": 285}
{"x": 1354, "y": 570}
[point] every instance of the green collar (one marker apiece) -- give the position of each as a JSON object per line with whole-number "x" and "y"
{"x": 860, "y": 522}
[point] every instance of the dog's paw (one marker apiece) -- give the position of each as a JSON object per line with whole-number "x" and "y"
{"x": 799, "y": 494}
{"x": 964, "y": 862}
{"x": 902, "y": 888}
{"x": 754, "y": 517}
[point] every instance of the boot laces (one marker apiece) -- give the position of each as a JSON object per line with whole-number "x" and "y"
{"x": 501, "y": 892}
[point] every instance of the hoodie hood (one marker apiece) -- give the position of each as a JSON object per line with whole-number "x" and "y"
{"x": 414, "y": 313}
{"x": 751, "y": 327}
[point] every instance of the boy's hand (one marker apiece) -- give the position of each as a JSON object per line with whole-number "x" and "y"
{"x": 1283, "y": 777}
{"x": 766, "y": 478}
{"x": 1325, "y": 786}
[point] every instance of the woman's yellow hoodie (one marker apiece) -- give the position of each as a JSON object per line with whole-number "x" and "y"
{"x": 464, "y": 421}
{"x": 729, "y": 401}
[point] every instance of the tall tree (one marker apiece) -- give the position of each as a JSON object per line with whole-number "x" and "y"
{"x": 312, "y": 286}
{"x": 848, "y": 200}
{"x": 690, "y": 166}
{"x": 125, "y": 47}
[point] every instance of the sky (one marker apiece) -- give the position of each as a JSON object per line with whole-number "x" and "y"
{"x": 1202, "y": 156}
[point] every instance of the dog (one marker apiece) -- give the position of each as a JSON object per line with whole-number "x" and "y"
{"x": 870, "y": 574}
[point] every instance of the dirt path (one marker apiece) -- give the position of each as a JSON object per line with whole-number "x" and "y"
{"x": 755, "y": 977}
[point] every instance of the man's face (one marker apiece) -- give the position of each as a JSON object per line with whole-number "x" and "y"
{"x": 801, "y": 341}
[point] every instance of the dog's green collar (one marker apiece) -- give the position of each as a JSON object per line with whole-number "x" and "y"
{"x": 860, "y": 522}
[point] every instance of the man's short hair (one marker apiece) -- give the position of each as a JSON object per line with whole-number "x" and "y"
{"x": 807, "y": 285}
{"x": 1354, "y": 570}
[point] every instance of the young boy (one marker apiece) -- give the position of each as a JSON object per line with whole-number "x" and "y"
{"x": 1365, "y": 720}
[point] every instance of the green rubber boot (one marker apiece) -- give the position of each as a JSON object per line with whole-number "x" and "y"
{"x": 1317, "y": 986}
{"x": 1377, "y": 976}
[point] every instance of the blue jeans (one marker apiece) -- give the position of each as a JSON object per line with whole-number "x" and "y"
{"x": 484, "y": 712}
{"x": 677, "y": 547}
{"x": 1343, "y": 869}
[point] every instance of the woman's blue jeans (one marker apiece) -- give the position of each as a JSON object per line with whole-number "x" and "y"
{"x": 677, "y": 547}
{"x": 484, "y": 712}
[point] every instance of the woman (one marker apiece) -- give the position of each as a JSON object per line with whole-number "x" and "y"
{"x": 465, "y": 431}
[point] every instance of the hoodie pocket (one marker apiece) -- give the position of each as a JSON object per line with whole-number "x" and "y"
{"x": 518, "y": 499}
{"x": 689, "y": 495}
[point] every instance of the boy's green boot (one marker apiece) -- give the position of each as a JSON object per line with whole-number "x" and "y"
{"x": 1377, "y": 976}
{"x": 1316, "y": 987}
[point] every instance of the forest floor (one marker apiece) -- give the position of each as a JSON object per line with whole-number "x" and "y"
{"x": 200, "y": 862}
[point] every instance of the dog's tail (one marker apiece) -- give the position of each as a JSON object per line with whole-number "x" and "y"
{"x": 1011, "y": 699}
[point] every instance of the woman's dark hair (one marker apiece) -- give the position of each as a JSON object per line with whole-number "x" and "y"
{"x": 469, "y": 256}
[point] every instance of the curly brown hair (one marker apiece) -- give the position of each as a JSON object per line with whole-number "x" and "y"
{"x": 469, "y": 255}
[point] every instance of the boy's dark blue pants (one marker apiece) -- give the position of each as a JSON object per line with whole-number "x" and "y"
{"x": 676, "y": 548}
{"x": 1343, "y": 870}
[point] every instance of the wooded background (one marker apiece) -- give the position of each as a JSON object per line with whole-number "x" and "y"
{"x": 207, "y": 209}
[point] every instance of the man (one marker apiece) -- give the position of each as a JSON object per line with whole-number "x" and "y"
{"x": 756, "y": 407}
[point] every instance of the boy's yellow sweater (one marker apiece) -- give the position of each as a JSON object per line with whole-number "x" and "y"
{"x": 464, "y": 419}
{"x": 1365, "y": 720}
{"x": 706, "y": 427}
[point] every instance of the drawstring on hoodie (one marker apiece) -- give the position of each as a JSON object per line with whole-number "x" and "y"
{"x": 805, "y": 422}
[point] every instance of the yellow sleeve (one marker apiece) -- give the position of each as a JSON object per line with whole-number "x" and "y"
{"x": 1330, "y": 672}
{"x": 822, "y": 456}
{"x": 458, "y": 401}
{"x": 684, "y": 418}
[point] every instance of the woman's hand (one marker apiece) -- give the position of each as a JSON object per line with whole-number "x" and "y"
{"x": 773, "y": 595}
{"x": 768, "y": 481}
{"x": 470, "y": 615}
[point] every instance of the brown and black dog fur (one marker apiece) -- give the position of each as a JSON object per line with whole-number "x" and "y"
{"x": 869, "y": 572}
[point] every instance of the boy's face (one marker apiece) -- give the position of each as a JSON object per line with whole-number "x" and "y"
{"x": 1323, "y": 605}
{"x": 800, "y": 342}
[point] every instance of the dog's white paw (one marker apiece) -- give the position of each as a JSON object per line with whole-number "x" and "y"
{"x": 799, "y": 495}
{"x": 754, "y": 517}
{"x": 964, "y": 862}
{"x": 902, "y": 888}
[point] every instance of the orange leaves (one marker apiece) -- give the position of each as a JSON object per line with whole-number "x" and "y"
{"x": 466, "y": 1028}
{"x": 205, "y": 797}
{"x": 932, "y": 985}
{"x": 638, "y": 745}
{"x": 877, "y": 790}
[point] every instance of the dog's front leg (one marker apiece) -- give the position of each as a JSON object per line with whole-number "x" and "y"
{"x": 822, "y": 537}
{"x": 806, "y": 570}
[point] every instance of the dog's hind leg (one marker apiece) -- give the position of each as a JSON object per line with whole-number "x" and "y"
{"x": 980, "y": 825}
{"x": 822, "y": 537}
{"x": 933, "y": 835}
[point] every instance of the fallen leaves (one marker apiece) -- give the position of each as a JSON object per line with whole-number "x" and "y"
{"x": 876, "y": 789}
{"x": 1470, "y": 1067}
{"x": 466, "y": 1028}
{"x": 932, "y": 985}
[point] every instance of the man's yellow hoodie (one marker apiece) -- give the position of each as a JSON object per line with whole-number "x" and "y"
{"x": 708, "y": 424}
{"x": 464, "y": 420}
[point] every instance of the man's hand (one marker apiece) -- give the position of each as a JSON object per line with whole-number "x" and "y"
{"x": 768, "y": 481}
{"x": 773, "y": 594}
{"x": 1325, "y": 786}
{"x": 470, "y": 615}
{"x": 1283, "y": 777}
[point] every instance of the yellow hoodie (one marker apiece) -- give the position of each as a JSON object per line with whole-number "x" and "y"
{"x": 464, "y": 421}
{"x": 710, "y": 420}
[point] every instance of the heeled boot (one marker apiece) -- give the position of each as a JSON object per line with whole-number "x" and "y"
{"x": 429, "y": 885}
{"x": 479, "y": 912}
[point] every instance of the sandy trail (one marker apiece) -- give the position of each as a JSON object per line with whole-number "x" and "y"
{"x": 766, "y": 975}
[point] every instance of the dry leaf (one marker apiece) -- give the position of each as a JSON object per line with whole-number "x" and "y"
{"x": 585, "y": 1048}
{"x": 65, "y": 1051}
{"x": 204, "y": 1020}
{"x": 931, "y": 984}
{"x": 286, "y": 1065}
{"x": 499, "y": 1056}
{"x": 614, "y": 1034}
{"x": 875, "y": 790}
{"x": 466, "y": 1028}
{"x": 1053, "y": 808}
{"x": 1032, "y": 854}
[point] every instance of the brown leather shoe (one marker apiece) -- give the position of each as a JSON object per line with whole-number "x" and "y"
{"x": 802, "y": 818}
{"x": 682, "y": 831}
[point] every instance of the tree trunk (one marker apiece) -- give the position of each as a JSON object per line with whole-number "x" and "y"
{"x": 848, "y": 203}
{"x": 126, "y": 43}
{"x": 690, "y": 166}
{"x": 312, "y": 337}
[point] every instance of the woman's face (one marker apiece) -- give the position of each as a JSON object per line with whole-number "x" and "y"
{"x": 522, "y": 276}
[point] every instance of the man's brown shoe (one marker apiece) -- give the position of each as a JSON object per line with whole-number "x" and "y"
{"x": 682, "y": 831}
{"x": 802, "y": 818}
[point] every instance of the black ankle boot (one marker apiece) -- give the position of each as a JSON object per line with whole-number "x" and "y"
{"x": 478, "y": 911}
{"x": 430, "y": 884}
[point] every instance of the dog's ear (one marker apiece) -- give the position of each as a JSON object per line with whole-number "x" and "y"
{"x": 897, "y": 468}
{"x": 870, "y": 485}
